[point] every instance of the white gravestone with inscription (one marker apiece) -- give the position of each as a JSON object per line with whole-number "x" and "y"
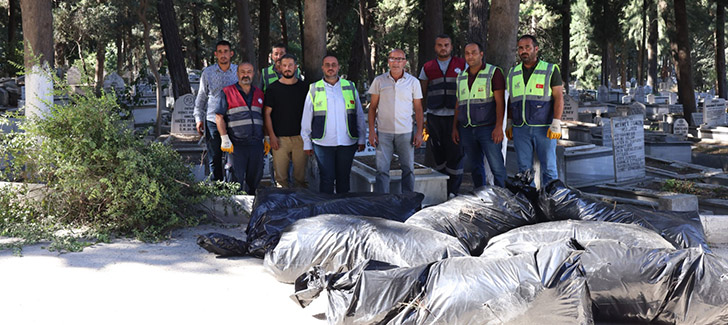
{"x": 680, "y": 127}
{"x": 628, "y": 145}
{"x": 714, "y": 112}
{"x": 183, "y": 119}
{"x": 697, "y": 118}
{"x": 114, "y": 81}
{"x": 571, "y": 109}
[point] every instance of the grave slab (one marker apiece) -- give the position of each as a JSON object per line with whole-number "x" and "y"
{"x": 628, "y": 145}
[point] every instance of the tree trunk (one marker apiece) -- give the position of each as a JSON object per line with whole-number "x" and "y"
{"x": 623, "y": 63}
{"x": 100, "y": 59}
{"x": 652, "y": 45}
{"x": 613, "y": 72}
{"x": 565, "y": 42}
{"x": 478, "y": 28}
{"x": 284, "y": 24}
{"x": 264, "y": 30}
{"x": 677, "y": 31}
{"x": 300, "y": 29}
{"x": 720, "y": 48}
{"x": 245, "y": 31}
{"x": 502, "y": 34}
{"x": 119, "y": 43}
{"x": 37, "y": 18}
{"x": 197, "y": 57}
{"x": 315, "y": 38}
{"x": 641, "y": 55}
{"x": 13, "y": 10}
{"x": 142, "y": 13}
{"x": 173, "y": 48}
{"x": 357, "y": 53}
{"x": 432, "y": 27}
{"x": 366, "y": 20}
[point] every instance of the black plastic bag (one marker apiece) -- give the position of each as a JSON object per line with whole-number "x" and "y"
{"x": 263, "y": 233}
{"x": 222, "y": 245}
{"x": 337, "y": 243}
{"x": 475, "y": 219}
{"x": 682, "y": 229}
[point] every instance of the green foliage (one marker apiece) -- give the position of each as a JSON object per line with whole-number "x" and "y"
{"x": 96, "y": 173}
{"x": 583, "y": 49}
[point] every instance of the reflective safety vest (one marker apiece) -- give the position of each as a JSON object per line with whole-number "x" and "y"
{"x": 531, "y": 103}
{"x": 476, "y": 105}
{"x": 319, "y": 100}
{"x": 269, "y": 76}
{"x": 244, "y": 123}
{"x": 442, "y": 89}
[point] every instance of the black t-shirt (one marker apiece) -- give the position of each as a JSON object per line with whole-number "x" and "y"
{"x": 555, "y": 75}
{"x": 287, "y": 104}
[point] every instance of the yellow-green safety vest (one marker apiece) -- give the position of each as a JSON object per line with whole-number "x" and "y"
{"x": 476, "y": 104}
{"x": 320, "y": 104}
{"x": 532, "y": 103}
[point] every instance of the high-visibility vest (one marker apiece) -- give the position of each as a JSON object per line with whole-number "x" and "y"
{"x": 320, "y": 104}
{"x": 269, "y": 76}
{"x": 532, "y": 103}
{"x": 442, "y": 89}
{"x": 476, "y": 104}
{"x": 245, "y": 123}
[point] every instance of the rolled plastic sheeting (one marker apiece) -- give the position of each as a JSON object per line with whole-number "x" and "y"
{"x": 475, "y": 219}
{"x": 682, "y": 229}
{"x": 276, "y": 209}
{"x": 337, "y": 243}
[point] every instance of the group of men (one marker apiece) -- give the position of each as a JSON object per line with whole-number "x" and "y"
{"x": 464, "y": 100}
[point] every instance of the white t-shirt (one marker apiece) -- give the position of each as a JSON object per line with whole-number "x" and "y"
{"x": 395, "y": 110}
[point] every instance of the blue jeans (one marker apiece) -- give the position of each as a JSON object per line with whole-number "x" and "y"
{"x": 478, "y": 144}
{"x": 334, "y": 166}
{"x": 401, "y": 144}
{"x": 525, "y": 139}
{"x": 214, "y": 153}
{"x": 248, "y": 165}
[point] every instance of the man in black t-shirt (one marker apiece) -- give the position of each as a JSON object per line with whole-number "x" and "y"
{"x": 283, "y": 110}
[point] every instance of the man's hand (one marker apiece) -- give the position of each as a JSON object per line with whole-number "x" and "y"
{"x": 373, "y": 139}
{"x": 455, "y": 136}
{"x": 201, "y": 128}
{"x": 554, "y": 131}
{"x": 417, "y": 142}
{"x": 309, "y": 152}
{"x": 274, "y": 142}
{"x": 509, "y": 129}
{"x": 226, "y": 145}
{"x": 361, "y": 147}
{"x": 497, "y": 134}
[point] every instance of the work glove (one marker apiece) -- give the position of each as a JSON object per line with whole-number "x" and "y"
{"x": 509, "y": 129}
{"x": 226, "y": 145}
{"x": 425, "y": 135}
{"x": 554, "y": 131}
{"x": 266, "y": 146}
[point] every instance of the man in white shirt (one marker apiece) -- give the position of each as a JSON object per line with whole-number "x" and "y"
{"x": 396, "y": 95}
{"x": 333, "y": 127}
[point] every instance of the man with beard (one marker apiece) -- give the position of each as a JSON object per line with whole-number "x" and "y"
{"x": 534, "y": 109}
{"x": 439, "y": 82}
{"x": 283, "y": 111}
{"x": 272, "y": 73}
{"x": 213, "y": 79}
{"x": 239, "y": 120}
{"x": 478, "y": 120}
{"x": 333, "y": 127}
{"x": 396, "y": 96}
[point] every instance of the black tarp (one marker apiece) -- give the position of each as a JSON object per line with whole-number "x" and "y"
{"x": 682, "y": 229}
{"x": 477, "y": 217}
{"x": 337, "y": 243}
{"x": 276, "y": 209}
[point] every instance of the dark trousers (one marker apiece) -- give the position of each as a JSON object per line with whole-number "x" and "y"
{"x": 334, "y": 165}
{"x": 448, "y": 155}
{"x": 248, "y": 165}
{"x": 214, "y": 153}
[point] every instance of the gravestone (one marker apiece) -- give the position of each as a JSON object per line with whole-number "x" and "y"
{"x": 628, "y": 145}
{"x": 4, "y": 97}
{"x": 680, "y": 127}
{"x": 571, "y": 109}
{"x": 626, "y": 99}
{"x": 637, "y": 108}
{"x": 650, "y": 98}
{"x": 672, "y": 98}
{"x": 606, "y": 130}
{"x": 714, "y": 112}
{"x": 603, "y": 94}
{"x": 114, "y": 81}
{"x": 73, "y": 76}
{"x": 183, "y": 118}
{"x": 697, "y": 118}
{"x": 675, "y": 108}
{"x": 639, "y": 94}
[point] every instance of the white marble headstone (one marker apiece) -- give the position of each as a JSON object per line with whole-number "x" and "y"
{"x": 714, "y": 112}
{"x": 650, "y": 98}
{"x": 183, "y": 119}
{"x": 114, "y": 81}
{"x": 680, "y": 127}
{"x": 73, "y": 76}
{"x": 571, "y": 109}
{"x": 628, "y": 145}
